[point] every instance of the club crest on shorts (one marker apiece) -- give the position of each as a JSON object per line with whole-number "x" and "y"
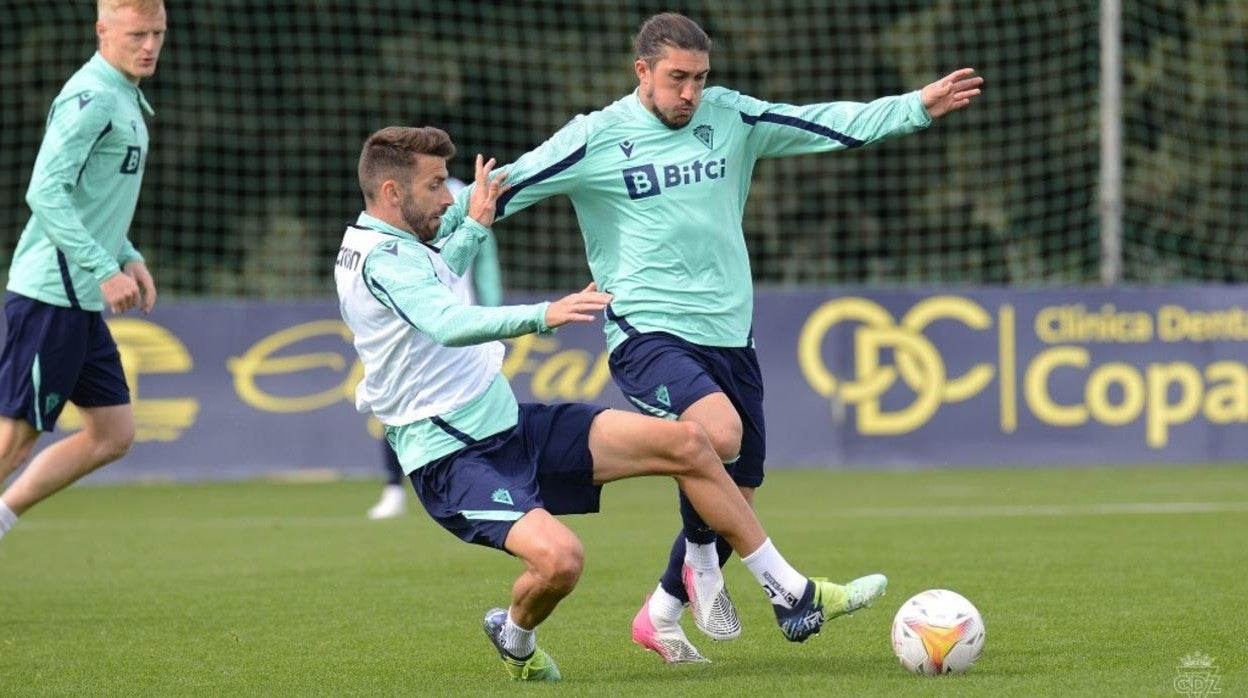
{"x": 502, "y": 496}
{"x": 662, "y": 396}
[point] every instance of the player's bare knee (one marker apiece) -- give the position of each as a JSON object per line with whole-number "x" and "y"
{"x": 728, "y": 454}
{"x": 14, "y": 451}
{"x": 726, "y": 440}
{"x": 567, "y": 572}
{"x": 560, "y": 566}
{"x": 113, "y": 445}
{"x": 12, "y": 457}
{"x": 15, "y": 447}
{"x": 690, "y": 447}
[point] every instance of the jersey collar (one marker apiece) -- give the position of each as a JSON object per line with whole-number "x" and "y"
{"x": 114, "y": 77}
{"x": 639, "y": 111}
{"x": 374, "y": 223}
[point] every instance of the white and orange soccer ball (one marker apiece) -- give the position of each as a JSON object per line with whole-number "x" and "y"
{"x": 938, "y": 632}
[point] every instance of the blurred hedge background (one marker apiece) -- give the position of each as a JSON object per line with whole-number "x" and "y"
{"x": 261, "y": 107}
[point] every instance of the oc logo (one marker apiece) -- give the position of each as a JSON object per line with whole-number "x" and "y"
{"x": 918, "y": 363}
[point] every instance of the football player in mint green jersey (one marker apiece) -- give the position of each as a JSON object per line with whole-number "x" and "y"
{"x": 73, "y": 260}
{"x": 495, "y": 472}
{"x": 659, "y": 181}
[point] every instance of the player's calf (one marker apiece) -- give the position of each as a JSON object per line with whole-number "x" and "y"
{"x": 17, "y": 438}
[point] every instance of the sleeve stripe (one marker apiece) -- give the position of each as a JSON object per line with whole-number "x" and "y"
{"x": 376, "y": 287}
{"x": 847, "y": 141}
{"x": 107, "y": 127}
{"x": 575, "y": 157}
{"x": 66, "y": 280}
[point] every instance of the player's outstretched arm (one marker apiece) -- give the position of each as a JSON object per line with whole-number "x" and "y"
{"x": 577, "y": 307}
{"x": 952, "y": 92}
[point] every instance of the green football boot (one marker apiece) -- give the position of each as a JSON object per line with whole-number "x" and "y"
{"x": 536, "y": 667}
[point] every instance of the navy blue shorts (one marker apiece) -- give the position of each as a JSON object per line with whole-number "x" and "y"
{"x": 480, "y": 491}
{"x": 53, "y": 354}
{"x": 663, "y": 375}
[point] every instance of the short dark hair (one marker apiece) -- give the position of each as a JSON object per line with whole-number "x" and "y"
{"x": 669, "y": 29}
{"x": 390, "y": 153}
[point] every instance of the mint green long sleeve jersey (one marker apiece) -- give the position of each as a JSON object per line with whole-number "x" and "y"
{"x": 661, "y": 209}
{"x": 83, "y": 190}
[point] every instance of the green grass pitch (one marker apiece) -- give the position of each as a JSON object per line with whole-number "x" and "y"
{"x": 1091, "y": 582}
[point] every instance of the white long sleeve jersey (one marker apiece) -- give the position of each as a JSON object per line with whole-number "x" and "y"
{"x": 407, "y": 375}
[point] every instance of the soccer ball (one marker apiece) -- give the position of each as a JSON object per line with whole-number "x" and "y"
{"x": 938, "y": 632}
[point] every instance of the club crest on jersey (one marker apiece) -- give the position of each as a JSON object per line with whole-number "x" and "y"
{"x": 627, "y": 148}
{"x": 648, "y": 180}
{"x": 706, "y": 134}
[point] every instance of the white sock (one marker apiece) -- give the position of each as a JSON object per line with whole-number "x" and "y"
{"x": 782, "y": 583}
{"x": 7, "y": 518}
{"x": 701, "y": 556}
{"x": 520, "y": 642}
{"x": 664, "y": 608}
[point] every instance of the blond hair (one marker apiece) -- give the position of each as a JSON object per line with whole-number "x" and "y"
{"x": 143, "y": 7}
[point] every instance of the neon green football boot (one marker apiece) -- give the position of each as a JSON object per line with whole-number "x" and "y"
{"x": 824, "y": 601}
{"x": 536, "y": 667}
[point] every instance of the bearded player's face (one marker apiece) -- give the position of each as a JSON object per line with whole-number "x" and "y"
{"x": 672, "y": 88}
{"x": 426, "y": 197}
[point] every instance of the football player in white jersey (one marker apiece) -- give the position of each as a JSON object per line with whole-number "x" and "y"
{"x": 494, "y": 472}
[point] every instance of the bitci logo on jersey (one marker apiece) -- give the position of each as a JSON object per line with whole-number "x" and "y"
{"x": 134, "y": 158}
{"x": 643, "y": 181}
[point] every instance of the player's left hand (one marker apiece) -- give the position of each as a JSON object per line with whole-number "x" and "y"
{"x": 951, "y": 92}
{"x": 147, "y": 287}
{"x": 577, "y": 307}
{"x": 485, "y": 192}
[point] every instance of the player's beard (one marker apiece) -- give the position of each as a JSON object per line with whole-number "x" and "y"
{"x": 663, "y": 118}
{"x": 423, "y": 223}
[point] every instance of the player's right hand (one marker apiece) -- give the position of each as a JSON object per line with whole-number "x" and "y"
{"x": 120, "y": 292}
{"x": 486, "y": 189}
{"x": 952, "y": 92}
{"x": 578, "y": 307}
{"x": 147, "y": 287}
